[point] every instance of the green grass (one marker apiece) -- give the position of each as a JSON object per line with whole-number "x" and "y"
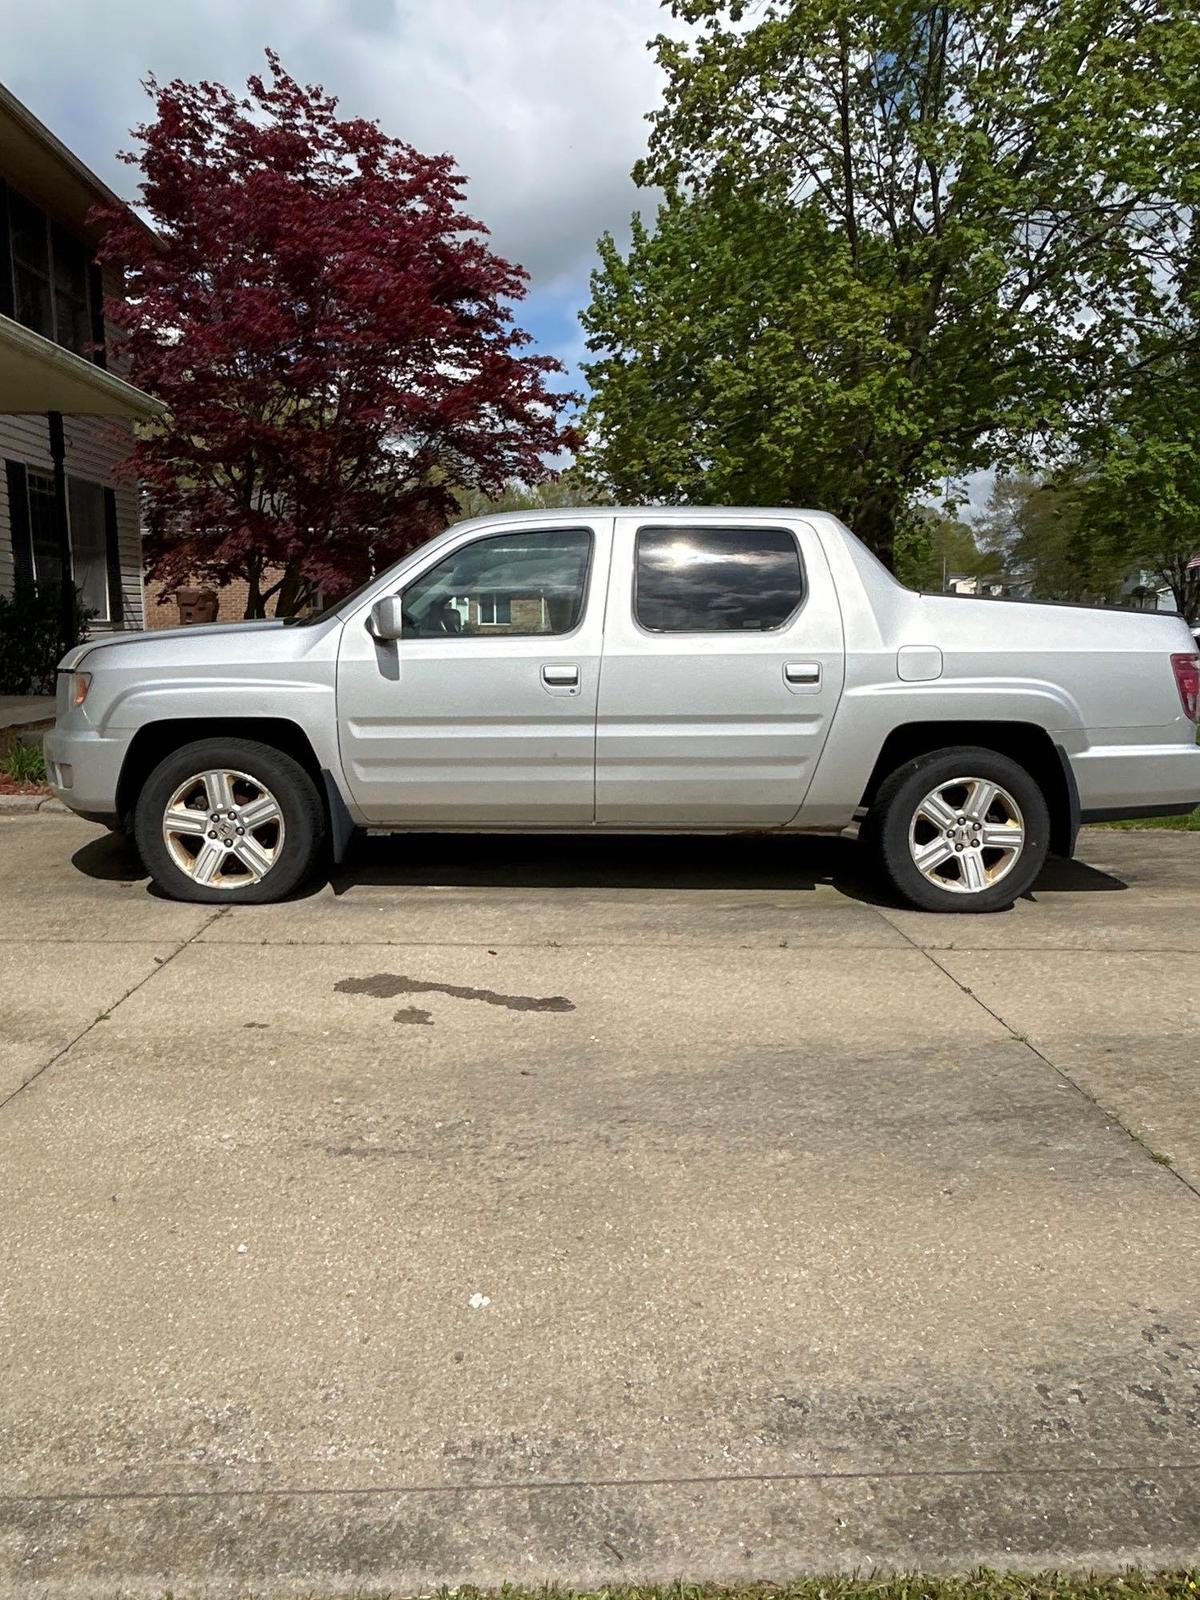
{"x": 983, "y": 1585}
{"x": 24, "y": 764}
{"x": 979, "y": 1586}
{"x": 1188, "y": 824}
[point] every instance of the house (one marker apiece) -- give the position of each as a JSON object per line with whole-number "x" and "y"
{"x": 163, "y": 610}
{"x": 66, "y": 413}
{"x": 992, "y": 587}
{"x": 1147, "y": 591}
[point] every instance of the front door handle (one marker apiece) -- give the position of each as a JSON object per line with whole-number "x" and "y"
{"x": 802, "y": 672}
{"x": 561, "y": 677}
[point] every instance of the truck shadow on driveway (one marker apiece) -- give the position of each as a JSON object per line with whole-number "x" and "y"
{"x": 641, "y": 861}
{"x": 592, "y": 861}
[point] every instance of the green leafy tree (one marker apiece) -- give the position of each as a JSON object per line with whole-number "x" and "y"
{"x": 1148, "y": 492}
{"x": 560, "y": 493}
{"x": 1035, "y": 528}
{"x": 899, "y": 242}
{"x": 931, "y": 547}
{"x": 1141, "y": 497}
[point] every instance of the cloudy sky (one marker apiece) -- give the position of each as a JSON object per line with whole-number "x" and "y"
{"x": 542, "y": 102}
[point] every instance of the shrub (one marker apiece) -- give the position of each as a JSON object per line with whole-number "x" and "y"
{"x": 24, "y": 764}
{"x": 31, "y": 638}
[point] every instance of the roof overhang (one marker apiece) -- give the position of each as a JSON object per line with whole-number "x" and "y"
{"x": 37, "y": 375}
{"x": 38, "y": 163}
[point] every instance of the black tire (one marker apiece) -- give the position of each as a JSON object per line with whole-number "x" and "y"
{"x": 886, "y": 831}
{"x": 297, "y": 843}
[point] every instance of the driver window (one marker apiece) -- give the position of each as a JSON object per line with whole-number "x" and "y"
{"x": 509, "y": 585}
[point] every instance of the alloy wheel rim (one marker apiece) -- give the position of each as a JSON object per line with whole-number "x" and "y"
{"x": 223, "y": 828}
{"x": 966, "y": 835}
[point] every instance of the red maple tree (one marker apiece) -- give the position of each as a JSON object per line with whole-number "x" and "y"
{"x": 330, "y": 333}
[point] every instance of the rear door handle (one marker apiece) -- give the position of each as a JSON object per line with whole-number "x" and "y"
{"x": 802, "y": 673}
{"x": 561, "y": 677}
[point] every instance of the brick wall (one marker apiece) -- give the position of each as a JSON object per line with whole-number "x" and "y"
{"x": 231, "y": 602}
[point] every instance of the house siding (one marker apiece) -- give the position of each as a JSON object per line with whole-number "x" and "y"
{"x": 95, "y": 448}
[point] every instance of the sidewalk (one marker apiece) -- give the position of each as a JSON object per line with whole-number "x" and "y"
{"x": 25, "y": 710}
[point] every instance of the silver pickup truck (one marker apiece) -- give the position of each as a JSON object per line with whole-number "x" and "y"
{"x": 680, "y": 671}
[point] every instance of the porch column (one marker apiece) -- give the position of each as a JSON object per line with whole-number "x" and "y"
{"x": 62, "y": 527}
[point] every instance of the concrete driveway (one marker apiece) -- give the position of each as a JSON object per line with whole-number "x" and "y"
{"x": 593, "y": 1210}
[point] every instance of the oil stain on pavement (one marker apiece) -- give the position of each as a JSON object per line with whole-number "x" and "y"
{"x": 387, "y": 985}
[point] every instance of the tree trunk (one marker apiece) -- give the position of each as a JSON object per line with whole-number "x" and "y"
{"x": 874, "y": 521}
{"x": 293, "y": 592}
{"x": 255, "y": 604}
{"x": 1187, "y": 595}
{"x": 1184, "y": 584}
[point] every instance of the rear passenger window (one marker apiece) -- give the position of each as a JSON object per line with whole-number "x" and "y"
{"x": 716, "y": 580}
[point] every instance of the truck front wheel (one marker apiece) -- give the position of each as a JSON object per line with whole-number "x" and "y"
{"x": 964, "y": 829}
{"x": 227, "y": 821}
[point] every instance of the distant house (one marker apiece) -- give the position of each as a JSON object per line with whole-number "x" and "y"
{"x": 992, "y": 587}
{"x": 502, "y": 613}
{"x": 1147, "y": 590}
{"x": 163, "y": 611}
{"x": 66, "y": 413}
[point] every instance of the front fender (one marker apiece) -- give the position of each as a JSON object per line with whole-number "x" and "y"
{"x": 310, "y": 706}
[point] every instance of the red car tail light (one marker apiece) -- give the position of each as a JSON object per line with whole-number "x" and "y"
{"x": 1187, "y": 676}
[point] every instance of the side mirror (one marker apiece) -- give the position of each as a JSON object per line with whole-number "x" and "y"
{"x": 387, "y": 617}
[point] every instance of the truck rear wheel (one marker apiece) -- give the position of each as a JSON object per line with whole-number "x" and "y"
{"x": 963, "y": 829}
{"x": 228, "y": 821}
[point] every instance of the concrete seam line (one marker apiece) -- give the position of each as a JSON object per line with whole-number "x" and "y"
{"x": 1061, "y": 1072}
{"x": 34, "y": 942}
{"x": 647, "y": 944}
{"x": 525, "y": 1486}
{"x": 108, "y": 1011}
{"x": 545, "y": 944}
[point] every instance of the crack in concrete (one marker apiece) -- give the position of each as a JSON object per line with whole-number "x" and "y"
{"x": 1061, "y": 1072}
{"x": 104, "y": 1015}
{"x": 686, "y": 1480}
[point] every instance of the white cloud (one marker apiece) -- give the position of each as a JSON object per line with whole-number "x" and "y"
{"x": 541, "y": 102}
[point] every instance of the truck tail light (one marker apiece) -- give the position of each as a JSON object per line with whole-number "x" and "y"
{"x": 1187, "y": 676}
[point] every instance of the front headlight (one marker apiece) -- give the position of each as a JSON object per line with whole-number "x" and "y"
{"x": 81, "y": 682}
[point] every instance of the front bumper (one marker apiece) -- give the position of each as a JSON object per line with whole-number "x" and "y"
{"x": 83, "y": 769}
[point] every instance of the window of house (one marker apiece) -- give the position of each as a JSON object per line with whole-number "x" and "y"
{"x": 507, "y": 585}
{"x": 89, "y": 544}
{"x": 89, "y": 539}
{"x": 49, "y": 269}
{"x": 716, "y": 580}
{"x": 30, "y": 240}
{"x": 43, "y": 536}
{"x": 72, "y": 317}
